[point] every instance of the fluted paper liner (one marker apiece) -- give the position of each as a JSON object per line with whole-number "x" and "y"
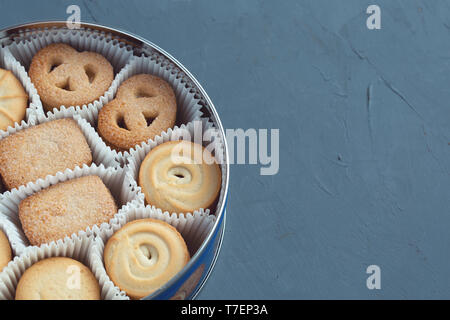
{"x": 122, "y": 189}
{"x": 194, "y": 229}
{"x": 8, "y": 62}
{"x": 77, "y": 248}
{"x": 196, "y": 131}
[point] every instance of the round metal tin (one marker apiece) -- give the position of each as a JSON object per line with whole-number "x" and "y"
{"x": 188, "y": 282}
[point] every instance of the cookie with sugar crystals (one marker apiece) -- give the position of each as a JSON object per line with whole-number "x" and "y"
{"x": 66, "y": 208}
{"x": 42, "y": 150}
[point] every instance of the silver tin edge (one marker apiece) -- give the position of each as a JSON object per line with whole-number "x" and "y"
{"x": 216, "y": 256}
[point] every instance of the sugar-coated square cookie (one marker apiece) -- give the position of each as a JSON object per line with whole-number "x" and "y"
{"x": 66, "y": 208}
{"x": 42, "y": 150}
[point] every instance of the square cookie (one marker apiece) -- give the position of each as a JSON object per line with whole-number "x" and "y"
{"x": 66, "y": 208}
{"x": 42, "y": 150}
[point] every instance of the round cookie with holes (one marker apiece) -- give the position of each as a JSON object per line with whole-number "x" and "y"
{"x": 144, "y": 107}
{"x": 180, "y": 177}
{"x": 64, "y": 76}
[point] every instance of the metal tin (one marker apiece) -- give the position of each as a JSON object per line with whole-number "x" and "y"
{"x": 188, "y": 282}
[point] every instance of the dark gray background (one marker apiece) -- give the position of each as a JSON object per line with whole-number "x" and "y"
{"x": 364, "y": 136}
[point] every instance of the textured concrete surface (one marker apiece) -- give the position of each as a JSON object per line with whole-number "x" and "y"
{"x": 364, "y": 127}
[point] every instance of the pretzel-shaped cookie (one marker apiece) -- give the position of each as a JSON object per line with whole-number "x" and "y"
{"x": 64, "y": 76}
{"x": 144, "y": 107}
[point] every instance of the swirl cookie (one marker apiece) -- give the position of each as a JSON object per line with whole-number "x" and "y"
{"x": 144, "y": 107}
{"x": 42, "y": 150}
{"x": 180, "y": 176}
{"x": 143, "y": 255}
{"x": 13, "y": 100}
{"x": 64, "y": 76}
{"x": 66, "y": 208}
{"x": 58, "y": 278}
{"x": 5, "y": 251}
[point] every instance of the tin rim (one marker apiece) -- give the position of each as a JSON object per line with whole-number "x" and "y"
{"x": 216, "y": 256}
{"x": 142, "y": 45}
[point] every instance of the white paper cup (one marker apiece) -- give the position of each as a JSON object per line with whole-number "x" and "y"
{"x": 117, "y": 53}
{"x": 194, "y": 229}
{"x": 77, "y": 248}
{"x": 11, "y": 231}
{"x": 193, "y": 131}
